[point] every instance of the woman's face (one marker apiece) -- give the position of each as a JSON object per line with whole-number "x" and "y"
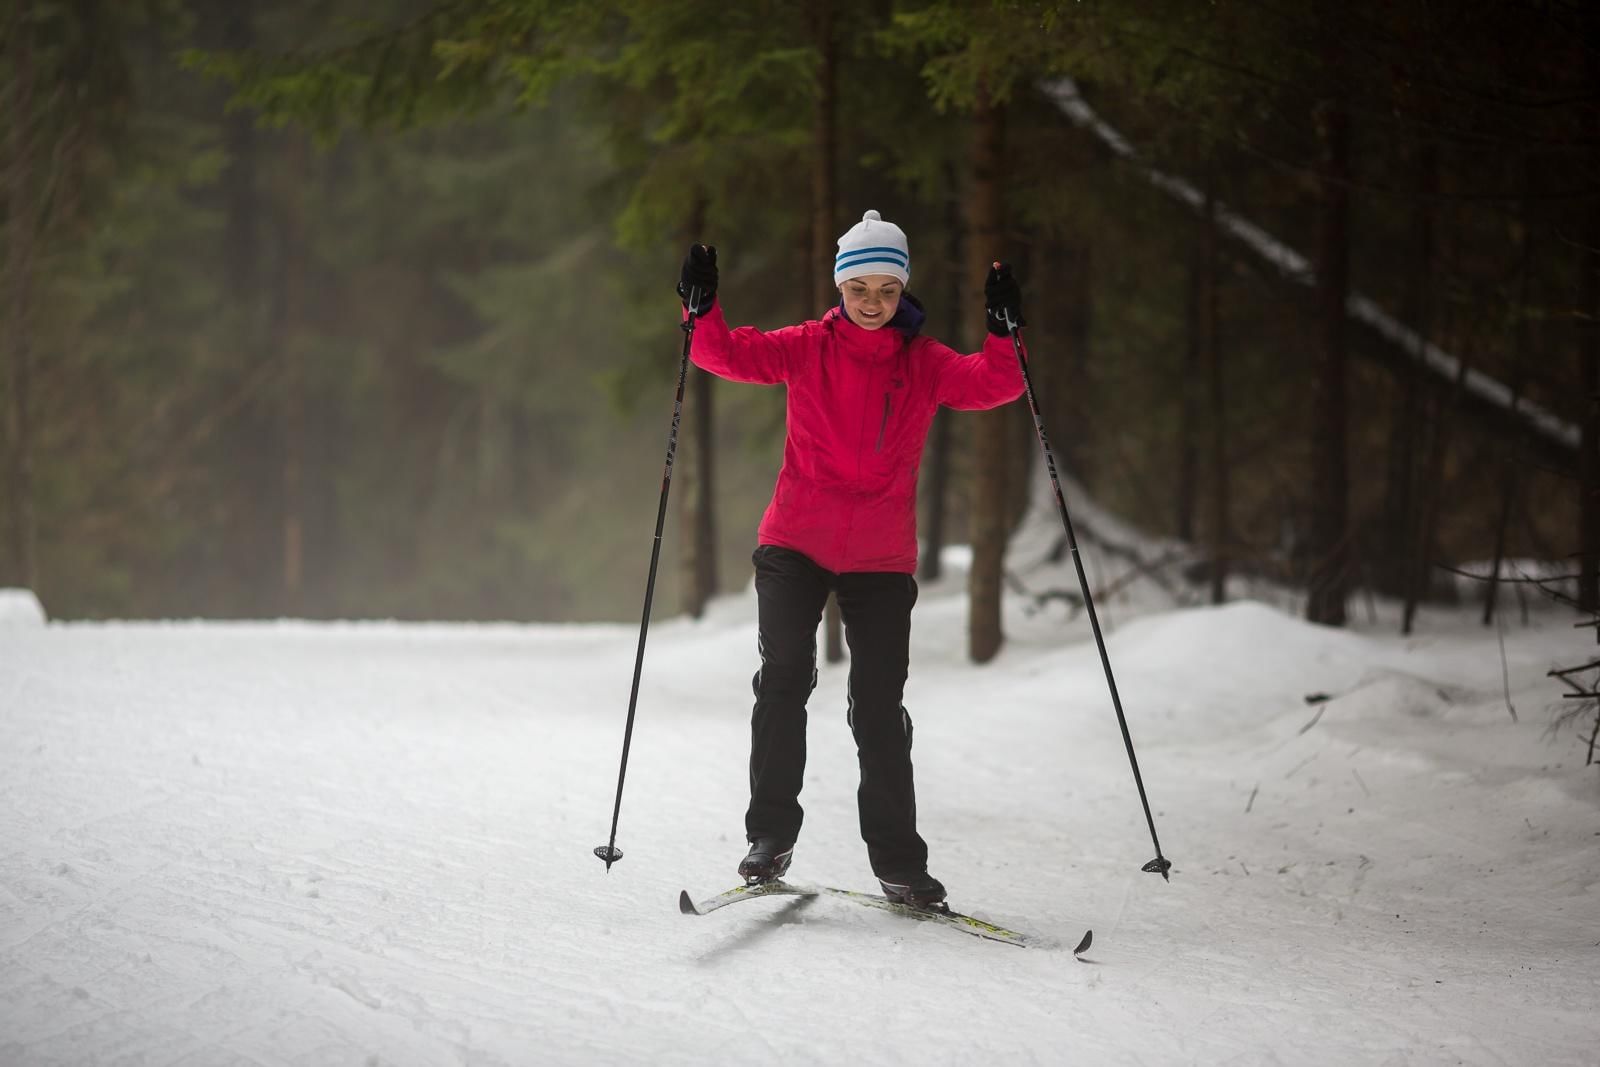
{"x": 871, "y": 301}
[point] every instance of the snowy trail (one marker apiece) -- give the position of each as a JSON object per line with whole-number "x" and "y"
{"x": 371, "y": 843}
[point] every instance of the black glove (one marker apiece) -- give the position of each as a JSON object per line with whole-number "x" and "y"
{"x": 699, "y": 278}
{"x": 1003, "y": 296}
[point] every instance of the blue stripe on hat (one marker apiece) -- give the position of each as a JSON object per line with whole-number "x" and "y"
{"x": 874, "y": 248}
{"x": 855, "y": 261}
{"x": 868, "y": 255}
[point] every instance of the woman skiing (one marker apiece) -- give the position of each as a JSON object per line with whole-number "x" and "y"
{"x": 863, "y": 387}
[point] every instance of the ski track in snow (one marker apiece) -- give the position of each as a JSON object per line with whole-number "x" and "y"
{"x": 290, "y": 843}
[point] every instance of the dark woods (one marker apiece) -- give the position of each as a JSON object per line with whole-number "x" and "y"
{"x": 372, "y": 313}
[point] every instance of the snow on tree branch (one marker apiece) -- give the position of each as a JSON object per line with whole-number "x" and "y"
{"x": 1064, "y": 94}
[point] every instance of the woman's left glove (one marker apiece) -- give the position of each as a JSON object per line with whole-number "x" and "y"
{"x": 699, "y": 278}
{"x": 1003, "y": 296}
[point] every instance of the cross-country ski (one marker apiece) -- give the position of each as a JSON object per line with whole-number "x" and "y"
{"x": 938, "y": 913}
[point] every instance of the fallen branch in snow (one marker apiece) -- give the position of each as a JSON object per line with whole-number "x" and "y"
{"x": 1140, "y": 569}
{"x": 1296, "y": 768}
{"x": 1314, "y": 719}
{"x": 1151, "y": 569}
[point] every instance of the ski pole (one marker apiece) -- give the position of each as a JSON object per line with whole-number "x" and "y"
{"x": 609, "y": 851}
{"x": 1160, "y": 865}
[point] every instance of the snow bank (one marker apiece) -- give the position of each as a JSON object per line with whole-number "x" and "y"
{"x": 301, "y": 844}
{"x": 19, "y": 607}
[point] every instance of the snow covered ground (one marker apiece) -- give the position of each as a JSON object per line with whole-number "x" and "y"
{"x": 370, "y": 843}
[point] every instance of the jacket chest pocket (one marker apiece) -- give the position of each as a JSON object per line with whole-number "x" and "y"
{"x": 895, "y": 440}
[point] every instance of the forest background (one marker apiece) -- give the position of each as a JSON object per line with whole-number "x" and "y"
{"x": 366, "y": 309}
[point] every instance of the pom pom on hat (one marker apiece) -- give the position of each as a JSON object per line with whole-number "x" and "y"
{"x": 872, "y": 246}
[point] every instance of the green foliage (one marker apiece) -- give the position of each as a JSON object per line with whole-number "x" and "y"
{"x": 375, "y": 74}
{"x": 1000, "y": 45}
{"x": 473, "y": 276}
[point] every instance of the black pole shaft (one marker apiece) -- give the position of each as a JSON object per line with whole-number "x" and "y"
{"x": 1160, "y": 865}
{"x": 608, "y": 852}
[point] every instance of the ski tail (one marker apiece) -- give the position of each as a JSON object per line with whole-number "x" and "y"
{"x": 689, "y": 906}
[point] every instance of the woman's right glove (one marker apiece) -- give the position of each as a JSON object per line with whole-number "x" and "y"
{"x": 699, "y": 279}
{"x": 1003, "y": 296}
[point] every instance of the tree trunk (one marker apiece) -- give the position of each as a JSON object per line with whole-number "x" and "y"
{"x": 1512, "y": 461}
{"x": 1589, "y": 450}
{"x": 241, "y": 252}
{"x": 1508, "y": 500}
{"x": 1588, "y": 378}
{"x": 1187, "y": 381}
{"x": 1220, "y": 526}
{"x": 1400, "y": 493}
{"x": 245, "y": 529}
{"x": 1328, "y": 541}
{"x": 291, "y": 357}
{"x": 698, "y": 547}
{"x": 1068, "y": 383}
{"x": 22, "y": 233}
{"x": 824, "y": 224}
{"x": 1432, "y": 493}
{"x": 1024, "y": 442}
{"x": 991, "y": 429}
{"x": 701, "y": 532}
{"x": 1589, "y": 477}
{"x": 824, "y": 161}
{"x": 1188, "y": 412}
{"x": 1413, "y": 510}
{"x": 937, "y": 490}
{"x": 1394, "y": 541}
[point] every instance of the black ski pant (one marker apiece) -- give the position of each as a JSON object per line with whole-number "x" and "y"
{"x": 875, "y": 607}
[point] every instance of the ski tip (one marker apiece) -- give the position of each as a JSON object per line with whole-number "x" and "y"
{"x": 685, "y": 904}
{"x": 1083, "y": 946}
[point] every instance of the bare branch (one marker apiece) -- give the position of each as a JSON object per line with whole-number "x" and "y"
{"x": 1503, "y": 579}
{"x": 1563, "y": 672}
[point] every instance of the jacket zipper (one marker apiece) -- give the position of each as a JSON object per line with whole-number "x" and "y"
{"x": 884, "y": 425}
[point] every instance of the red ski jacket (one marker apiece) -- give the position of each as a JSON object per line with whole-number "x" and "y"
{"x": 860, "y": 405}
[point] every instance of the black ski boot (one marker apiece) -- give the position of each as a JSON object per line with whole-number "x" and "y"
{"x": 767, "y": 860}
{"x": 918, "y": 889}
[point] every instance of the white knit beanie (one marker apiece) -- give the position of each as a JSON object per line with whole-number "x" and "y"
{"x": 872, "y": 246}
